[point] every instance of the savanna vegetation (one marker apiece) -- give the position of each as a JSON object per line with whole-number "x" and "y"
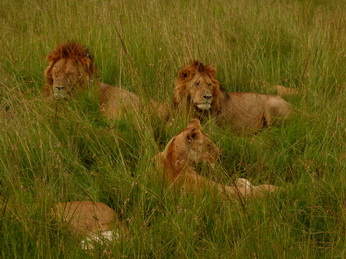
{"x": 59, "y": 151}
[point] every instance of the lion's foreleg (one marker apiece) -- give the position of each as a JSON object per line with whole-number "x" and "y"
{"x": 193, "y": 181}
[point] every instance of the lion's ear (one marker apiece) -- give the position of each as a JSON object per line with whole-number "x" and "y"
{"x": 194, "y": 130}
{"x": 48, "y": 75}
{"x": 195, "y": 123}
{"x": 52, "y": 58}
{"x": 48, "y": 80}
{"x": 49, "y": 58}
{"x": 87, "y": 61}
{"x": 193, "y": 135}
{"x": 184, "y": 73}
{"x": 211, "y": 71}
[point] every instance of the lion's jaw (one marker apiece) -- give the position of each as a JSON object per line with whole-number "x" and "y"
{"x": 204, "y": 106}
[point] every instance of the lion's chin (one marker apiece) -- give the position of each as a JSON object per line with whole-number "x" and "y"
{"x": 204, "y": 106}
{"x": 59, "y": 96}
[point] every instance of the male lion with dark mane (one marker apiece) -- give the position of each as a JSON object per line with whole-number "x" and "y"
{"x": 71, "y": 70}
{"x": 198, "y": 91}
{"x": 191, "y": 146}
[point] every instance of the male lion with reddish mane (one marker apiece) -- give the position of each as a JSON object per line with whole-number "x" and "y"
{"x": 71, "y": 70}
{"x": 191, "y": 146}
{"x": 198, "y": 91}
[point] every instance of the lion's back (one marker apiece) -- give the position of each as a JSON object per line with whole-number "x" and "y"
{"x": 251, "y": 111}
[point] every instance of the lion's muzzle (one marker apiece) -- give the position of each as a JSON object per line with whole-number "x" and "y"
{"x": 203, "y": 106}
{"x": 59, "y": 92}
{"x": 206, "y": 103}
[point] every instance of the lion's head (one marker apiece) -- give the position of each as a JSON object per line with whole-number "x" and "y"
{"x": 196, "y": 86}
{"x": 70, "y": 67}
{"x": 189, "y": 147}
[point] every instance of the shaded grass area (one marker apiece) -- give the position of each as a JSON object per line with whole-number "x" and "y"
{"x": 63, "y": 151}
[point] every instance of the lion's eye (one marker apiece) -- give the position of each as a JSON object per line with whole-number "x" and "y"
{"x": 210, "y": 85}
{"x": 197, "y": 84}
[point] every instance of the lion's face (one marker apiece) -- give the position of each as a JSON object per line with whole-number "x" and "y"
{"x": 67, "y": 78}
{"x": 200, "y": 148}
{"x": 192, "y": 146}
{"x": 200, "y": 90}
{"x": 196, "y": 85}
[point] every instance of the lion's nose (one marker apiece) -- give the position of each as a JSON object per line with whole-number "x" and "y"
{"x": 207, "y": 96}
{"x": 59, "y": 87}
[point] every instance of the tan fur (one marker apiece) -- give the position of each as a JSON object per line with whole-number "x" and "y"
{"x": 86, "y": 216}
{"x": 95, "y": 220}
{"x": 198, "y": 91}
{"x": 71, "y": 70}
{"x": 191, "y": 146}
{"x": 285, "y": 91}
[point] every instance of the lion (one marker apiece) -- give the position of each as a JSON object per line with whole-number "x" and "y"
{"x": 71, "y": 70}
{"x": 285, "y": 91}
{"x": 191, "y": 146}
{"x": 198, "y": 91}
{"x": 95, "y": 220}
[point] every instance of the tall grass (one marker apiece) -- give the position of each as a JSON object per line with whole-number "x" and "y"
{"x": 65, "y": 151}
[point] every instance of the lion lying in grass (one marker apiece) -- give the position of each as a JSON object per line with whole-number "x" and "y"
{"x": 71, "y": 69}
{"x": 94, "y": 220}
{"x": 191, "y": 146}
{"x": 198, "y": 91}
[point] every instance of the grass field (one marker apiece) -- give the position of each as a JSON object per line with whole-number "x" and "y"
{"x": 65, "y": 151}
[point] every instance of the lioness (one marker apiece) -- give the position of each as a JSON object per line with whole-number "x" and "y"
{"x": 198, "y": 91}
{"x": 185, "y": 150}
{"x": 71, "y": 69}
{"x": 95, "y": 220}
